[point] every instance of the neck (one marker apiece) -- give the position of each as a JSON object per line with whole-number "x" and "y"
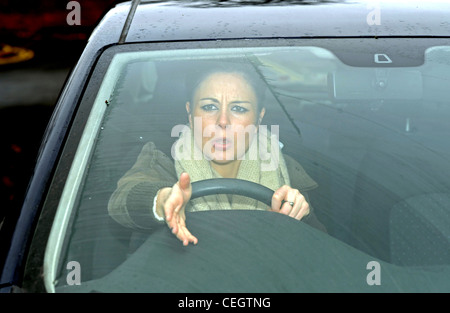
{"x": 227, "y": 170}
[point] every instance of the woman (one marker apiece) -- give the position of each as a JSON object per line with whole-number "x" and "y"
{"x": 223, "y": 140}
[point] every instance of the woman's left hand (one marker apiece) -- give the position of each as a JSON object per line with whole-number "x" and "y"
{"x": 295, "y": 204}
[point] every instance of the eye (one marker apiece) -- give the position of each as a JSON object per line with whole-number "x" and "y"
{"x": 209, "y": 107}
{"x": 239, "y": 109}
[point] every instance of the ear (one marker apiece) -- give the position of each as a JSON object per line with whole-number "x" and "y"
{"x": 188, "y": 110}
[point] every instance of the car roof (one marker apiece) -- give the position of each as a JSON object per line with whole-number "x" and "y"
{"x": 215, "y": 20}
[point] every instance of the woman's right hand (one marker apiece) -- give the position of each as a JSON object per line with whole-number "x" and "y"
{"x": 171, "y": 203}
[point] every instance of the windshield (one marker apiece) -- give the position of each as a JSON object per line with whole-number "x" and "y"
{"x": 365, "y": 146}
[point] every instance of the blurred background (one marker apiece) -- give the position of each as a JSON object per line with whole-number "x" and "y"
{"x": 38, "y": 49}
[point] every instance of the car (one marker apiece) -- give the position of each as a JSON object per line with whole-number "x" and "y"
{"x": 356, "y": 93}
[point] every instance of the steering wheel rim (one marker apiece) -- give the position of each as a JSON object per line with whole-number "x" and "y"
{"x": 232, "y": 186}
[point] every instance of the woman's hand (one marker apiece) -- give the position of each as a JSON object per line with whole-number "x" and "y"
{"x": 171, "y": 203}
{"x": 295, "y": 206}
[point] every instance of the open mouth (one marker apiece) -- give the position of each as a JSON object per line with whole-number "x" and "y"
{"x": 222, "y": 144}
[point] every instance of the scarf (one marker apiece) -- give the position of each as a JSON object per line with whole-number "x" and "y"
{"x": 263, "y": 163}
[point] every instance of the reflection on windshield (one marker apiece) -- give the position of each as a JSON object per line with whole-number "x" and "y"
{"x": 354, "y": 155}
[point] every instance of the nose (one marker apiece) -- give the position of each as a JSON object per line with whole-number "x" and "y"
{"x": 223, "y": 119}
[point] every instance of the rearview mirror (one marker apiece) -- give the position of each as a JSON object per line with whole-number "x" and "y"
{"x": 375, "y": 84}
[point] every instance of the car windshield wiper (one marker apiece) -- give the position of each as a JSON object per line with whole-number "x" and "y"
{"x": 256, "y": 63}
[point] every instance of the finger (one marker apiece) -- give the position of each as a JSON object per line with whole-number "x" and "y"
{"x": 296, "y": 208}
{"x": 185, "y": 186}
{"x": 174, "y": 224}
{"x": 182, "y": 233}
{"x": 184, "y": 181}
{"x": 304, "y": 210}
{"x": 278, "y": 196}
{"x": 185, "y": 236}
{"x": 287, "y": 207}
{"x": 292, "y": 204}
{"x": 299, "y": 203}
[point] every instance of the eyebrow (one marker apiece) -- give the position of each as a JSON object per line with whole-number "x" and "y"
{"x": 217, "y": 101}
{"x": 210, "y": 99}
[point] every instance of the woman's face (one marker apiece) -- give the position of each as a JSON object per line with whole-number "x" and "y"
{"x": 224, "y": 117}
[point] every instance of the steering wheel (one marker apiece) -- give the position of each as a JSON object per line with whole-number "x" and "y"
{"x": 232, "y": 186}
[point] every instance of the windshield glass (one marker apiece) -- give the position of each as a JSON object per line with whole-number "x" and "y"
{"x": 364, "y": 151}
